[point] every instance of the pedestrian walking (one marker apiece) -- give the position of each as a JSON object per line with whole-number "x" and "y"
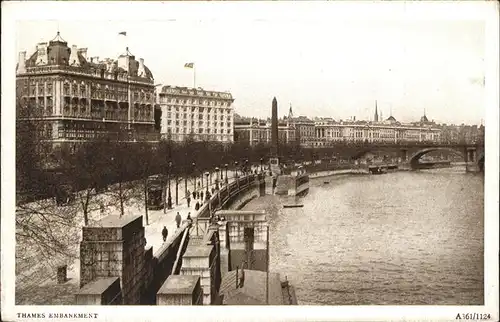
{"x": 201, "y": 195}
{"x": 164, "y": 233}
{"x": 197, "y": 206}
{"x": 194, "y": 194}
{"x": 213, "y": 190}
{"x": 178, "y": 220}
{"x": 189, "y": 201}
{"x": 190, "y": 221}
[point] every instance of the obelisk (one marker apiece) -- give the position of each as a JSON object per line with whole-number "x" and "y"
{"x": 274, "y": 129}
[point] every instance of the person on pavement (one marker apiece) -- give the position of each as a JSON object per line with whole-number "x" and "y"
{"x": 164, "y": 233}
{"x": 190, "y": 221}
{"x": 178, "y": 220}
{"x": 189, "y": 201}
{"x": 194, "y": 194}
{"x": 197, "y": 206}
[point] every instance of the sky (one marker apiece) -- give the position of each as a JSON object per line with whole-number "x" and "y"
{"x": 315, "y": 58}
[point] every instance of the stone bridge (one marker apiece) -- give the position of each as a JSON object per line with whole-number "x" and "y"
{"x": 473, "y": 154}
{"x": 116, "y": 268}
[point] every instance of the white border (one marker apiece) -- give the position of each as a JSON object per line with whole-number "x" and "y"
{"x": 243, "y": 10}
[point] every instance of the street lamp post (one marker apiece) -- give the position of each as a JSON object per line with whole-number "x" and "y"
{"x": 217, "y": 178}
{"x": 226, "y": 180}
{"x": 236, "y": 174}
{"x": 247, "y": 171}
{"x": 194, "y": 175}
{"x": 206, "y": 196}
{"x": 206, "y": 193}
{"x": 169, "y": 198}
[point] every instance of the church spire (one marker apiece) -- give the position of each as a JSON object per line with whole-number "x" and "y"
{"x": 375, "y": 118}
{"x": 290, "y": 113}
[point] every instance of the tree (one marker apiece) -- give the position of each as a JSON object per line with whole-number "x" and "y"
{"x": 89, "y": 173}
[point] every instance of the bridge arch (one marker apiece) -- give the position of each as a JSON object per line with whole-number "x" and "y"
{"x": 416, "y": 156}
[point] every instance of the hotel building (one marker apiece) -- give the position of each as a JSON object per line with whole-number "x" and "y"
{"x": 79, "y": 98}
{"x": 197, "y": 114}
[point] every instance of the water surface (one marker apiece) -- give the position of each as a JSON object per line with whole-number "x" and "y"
{"x": 399, "y": 238}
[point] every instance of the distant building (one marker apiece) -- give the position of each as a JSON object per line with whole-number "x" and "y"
{"x": 388, "y": 131}
{"x": 197, "y": 114}
{"x": 79, "y": 98}
{"x": 256, "y": 131}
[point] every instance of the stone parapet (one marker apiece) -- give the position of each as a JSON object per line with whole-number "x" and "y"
{"x": 101, "y": 291}
{"x": 180, "y": 290}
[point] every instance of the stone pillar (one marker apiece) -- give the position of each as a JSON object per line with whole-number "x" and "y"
{"x": 114, "y": 247}
{"x": 404, "y": 155}
{"x": 61, "y": 274}
{"x": 102, "y": 291}
{"x": 198, "y": 261}
{"x": 180, "y": 290}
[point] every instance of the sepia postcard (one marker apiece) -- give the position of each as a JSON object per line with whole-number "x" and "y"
{"x": 290, "y": 161}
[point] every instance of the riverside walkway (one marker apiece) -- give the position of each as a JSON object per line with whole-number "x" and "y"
{"x": 37, "y": 283}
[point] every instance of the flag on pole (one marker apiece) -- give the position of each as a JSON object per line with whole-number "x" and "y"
{"x": 123, "y": 33}
{"x": 189, "y": 65}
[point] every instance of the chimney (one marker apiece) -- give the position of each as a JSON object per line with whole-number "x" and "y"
{"x": 21, "y": 67}
{"x": 109, "y": 65}
{"x": 42, "y": 56}
{"x": 73, "y": 56}
{"x": 141, "y": 72}
{"x": 83, "y": 52}
{"x": 124, "y": 62}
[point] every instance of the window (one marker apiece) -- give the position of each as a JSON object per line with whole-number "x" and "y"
{"x": 169, "y": 122}
{"x": 176, "y": 122}
{"x": 200, "y": 130}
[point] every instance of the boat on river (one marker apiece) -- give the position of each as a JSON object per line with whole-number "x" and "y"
{"x": 293, "y": 206}
{"x": 377, "y": 170}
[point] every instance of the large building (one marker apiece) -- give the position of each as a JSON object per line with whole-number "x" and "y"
{"x": 387, "y": 131}
{"x": 256, "y": 131}
{"x": 80, "y": 98}
{"x": 197, "y": 114}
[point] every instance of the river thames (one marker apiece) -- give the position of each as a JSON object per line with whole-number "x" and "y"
{"x": 399, "y": 239}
